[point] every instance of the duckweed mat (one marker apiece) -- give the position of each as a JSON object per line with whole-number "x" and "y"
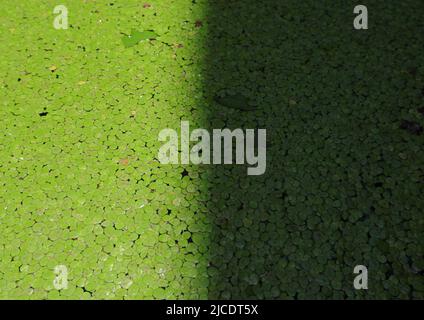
{"x": 83, "y": 193}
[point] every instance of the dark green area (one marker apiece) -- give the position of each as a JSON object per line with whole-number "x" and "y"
{"x": 344, "y": 181}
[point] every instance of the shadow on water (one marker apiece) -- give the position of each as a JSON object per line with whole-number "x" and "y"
{"x": 330, "y": 197}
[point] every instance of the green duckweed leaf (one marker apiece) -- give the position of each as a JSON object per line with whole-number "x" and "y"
{"x": 136, "y": 36}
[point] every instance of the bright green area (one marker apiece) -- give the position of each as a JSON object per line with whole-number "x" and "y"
{"x": 80, "y": 184}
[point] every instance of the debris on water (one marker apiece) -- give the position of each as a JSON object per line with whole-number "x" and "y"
{"x": 412, "y": 127}
{"x": 124, "y": 162}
